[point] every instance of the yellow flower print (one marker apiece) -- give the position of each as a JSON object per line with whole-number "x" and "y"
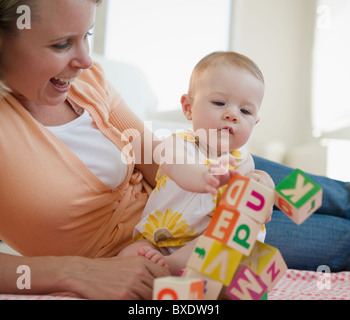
{"x": 186, "y": 136}
{"x": 167, "y": 229}
{"x": 161, "y": 180}
{"x": 237, "y": 154}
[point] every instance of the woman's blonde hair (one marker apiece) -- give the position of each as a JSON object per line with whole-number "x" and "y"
{"x": 225, "y": 57}
{"x": 8, "y": 24}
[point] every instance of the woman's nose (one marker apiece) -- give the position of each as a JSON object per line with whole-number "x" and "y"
{"x": 82, "y": 59}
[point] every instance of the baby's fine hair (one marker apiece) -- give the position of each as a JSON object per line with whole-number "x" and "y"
{"x": 225, "y": 57}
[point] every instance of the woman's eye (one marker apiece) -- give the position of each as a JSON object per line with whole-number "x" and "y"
{"x": 219, "y": 103}
{"x": 61, "y": 46}
{"x": 89, "y": 34}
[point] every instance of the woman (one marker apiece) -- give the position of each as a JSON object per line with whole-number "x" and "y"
{"x": 57, "y": 198}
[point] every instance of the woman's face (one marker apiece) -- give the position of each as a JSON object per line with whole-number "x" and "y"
{"x": 39, "y": 63}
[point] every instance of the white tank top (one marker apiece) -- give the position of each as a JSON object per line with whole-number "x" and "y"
{"x": 97, "y": 152}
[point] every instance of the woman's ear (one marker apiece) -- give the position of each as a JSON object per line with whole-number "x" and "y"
{"x": 186, "y": 102}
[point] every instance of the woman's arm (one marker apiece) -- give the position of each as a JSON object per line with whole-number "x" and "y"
{"x": 144, "y": 146}
{"x": 109, "y": 278}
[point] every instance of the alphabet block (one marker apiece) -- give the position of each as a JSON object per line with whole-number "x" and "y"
{"x": 215, "y": 260}
{"x": 212, "y": 288}
{"x": 249, "y": 197}
{"x": 246, "y": 285}
{"x": 298, "y": 196}
{"x": 267, "y": 263}
{"x": 234, "y": 229}
{"x": 177, "y": 288}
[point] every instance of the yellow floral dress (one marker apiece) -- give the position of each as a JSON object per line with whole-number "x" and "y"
{"x": 173, "y": 216}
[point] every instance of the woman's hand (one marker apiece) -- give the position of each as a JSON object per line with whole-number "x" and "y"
{"x": 119, "y": 278}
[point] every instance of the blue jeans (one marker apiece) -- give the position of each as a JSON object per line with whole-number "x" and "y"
{"x": 324, "y": 238}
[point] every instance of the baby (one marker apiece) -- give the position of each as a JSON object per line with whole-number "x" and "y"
{"x": 223, "y": 102}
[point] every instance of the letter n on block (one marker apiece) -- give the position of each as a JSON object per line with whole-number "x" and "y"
{"x": 246, "y": 285}
{"x": 267, "y": 263}
{"x": 248, "y": 197}
{"x": 234, "y": 229}
{"x": 177, "y": 288}
{"x": 298, "y": 196}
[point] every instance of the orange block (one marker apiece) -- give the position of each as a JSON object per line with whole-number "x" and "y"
{"x": 233, "y": 229}
{"x": 177, "y": 288}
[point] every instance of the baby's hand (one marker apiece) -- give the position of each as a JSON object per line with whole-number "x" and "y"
{"x": 218, "y": 174}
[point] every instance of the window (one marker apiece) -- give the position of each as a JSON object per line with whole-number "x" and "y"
{"x": 331, "y": 98}
{"x": 165, "y": 39}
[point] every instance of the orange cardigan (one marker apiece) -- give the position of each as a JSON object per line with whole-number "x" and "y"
{"x": 50, "y": 202}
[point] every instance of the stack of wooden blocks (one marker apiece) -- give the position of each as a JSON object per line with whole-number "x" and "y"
{"x": 228, "y": 256}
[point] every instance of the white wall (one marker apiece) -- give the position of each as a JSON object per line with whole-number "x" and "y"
{"x": 278, "y": 35}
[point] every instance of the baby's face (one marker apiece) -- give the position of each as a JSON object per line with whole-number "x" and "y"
{"x": 224, "y": 107}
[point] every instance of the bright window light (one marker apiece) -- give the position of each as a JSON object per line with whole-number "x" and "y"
{"x": 338, "y": 159}
{"x": 165, "y": 39}
{"x": 331, "y": 99}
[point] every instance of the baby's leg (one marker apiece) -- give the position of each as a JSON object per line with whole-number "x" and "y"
{"x": 178, "y": 260}
{"x": 146, "y": 249}
{"x": 153, "y": 254}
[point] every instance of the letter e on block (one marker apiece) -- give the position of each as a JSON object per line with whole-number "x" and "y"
{"x": 234, "y": 229}
{"x": 298, "y": 196}
{"x": 222, "y": 224}
{"x": 177, "y": 288}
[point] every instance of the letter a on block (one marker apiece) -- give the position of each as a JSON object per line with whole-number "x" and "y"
{"x": 246, "y": 285}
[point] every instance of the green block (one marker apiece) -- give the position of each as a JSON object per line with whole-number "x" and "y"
{"x": 265, "y": 296}
{"x": 298, "y": 188}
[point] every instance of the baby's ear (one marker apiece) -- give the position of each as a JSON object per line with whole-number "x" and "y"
{"x": 186, "y": 102}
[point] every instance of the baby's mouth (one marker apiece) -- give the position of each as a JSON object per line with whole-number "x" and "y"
{"x": 228, "y": 130}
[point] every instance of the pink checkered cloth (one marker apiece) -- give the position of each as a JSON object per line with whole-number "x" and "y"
{"x": 294, "y": 285}
{"x": 308, "y": 285}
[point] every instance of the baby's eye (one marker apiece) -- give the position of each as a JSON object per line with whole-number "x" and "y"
{"x": 219, "y": 103}
{"x": 245, "y": 111}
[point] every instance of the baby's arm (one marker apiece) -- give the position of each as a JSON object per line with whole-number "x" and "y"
{"x": 247, "y": 167}
{"x": 183, "y": 168}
